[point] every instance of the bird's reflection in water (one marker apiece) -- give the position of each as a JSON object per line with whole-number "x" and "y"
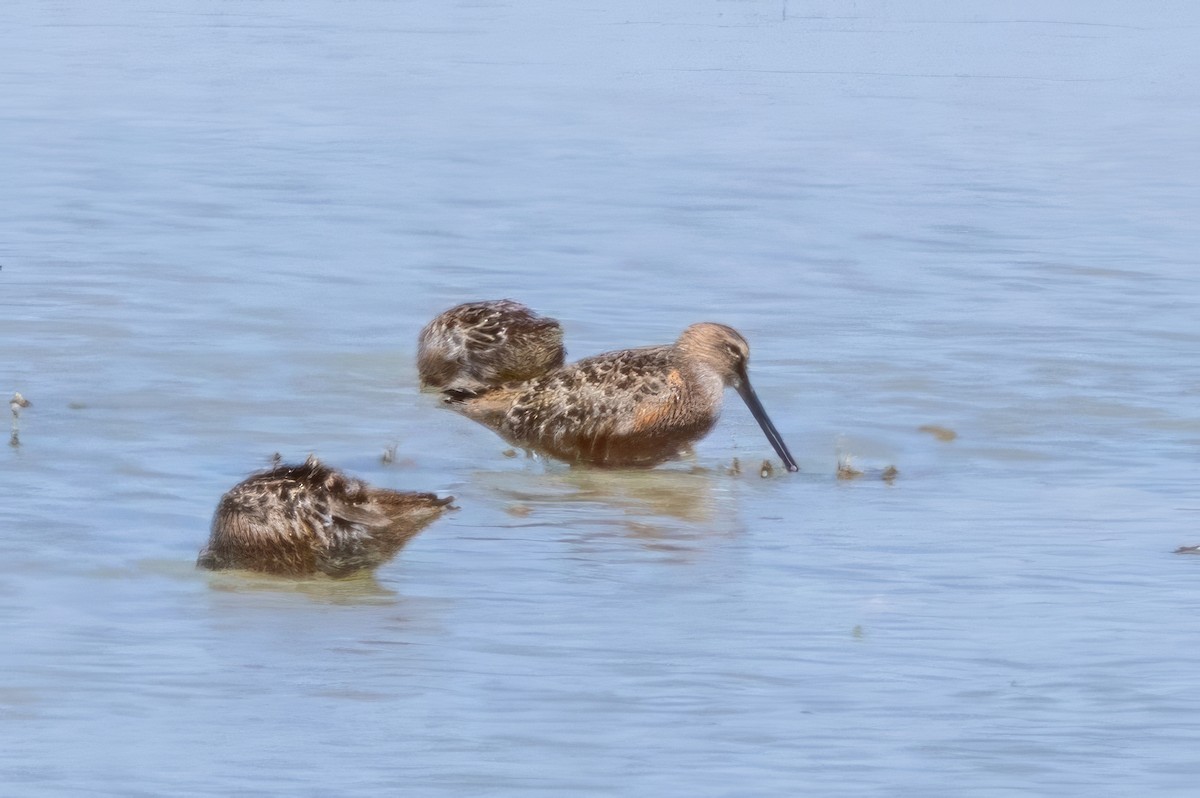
{"x": 361, "y": 588}
{"x": 674, "y": 511}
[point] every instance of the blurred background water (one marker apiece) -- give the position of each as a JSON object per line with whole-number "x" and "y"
{"x": 222, "y": 225}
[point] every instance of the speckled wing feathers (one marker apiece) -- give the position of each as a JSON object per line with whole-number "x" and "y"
{"x": 303, "y": 519}
{"x": 612, "y": 409}
{"x": 482, "y": 345}
{"x": 601, "y": 392}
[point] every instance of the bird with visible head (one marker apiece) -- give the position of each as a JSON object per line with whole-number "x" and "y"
{"x": 633, "y": 407}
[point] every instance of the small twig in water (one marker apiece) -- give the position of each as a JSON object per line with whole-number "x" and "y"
{"x": 16, "y": 404}
{"x": 389, "y": 454}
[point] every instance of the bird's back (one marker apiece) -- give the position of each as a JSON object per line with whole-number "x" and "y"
{"x": 624, "y": 408}
{"x": 482, "y": 345}
{"x": 310, "y": 518}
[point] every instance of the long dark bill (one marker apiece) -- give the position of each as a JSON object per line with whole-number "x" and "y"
{"x": 756, "y": 409}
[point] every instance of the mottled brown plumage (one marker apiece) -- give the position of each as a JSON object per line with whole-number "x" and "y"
{"x": 481, "y": 345}
{"x": 295, "y": 520}
{"x": 634, "y": 407}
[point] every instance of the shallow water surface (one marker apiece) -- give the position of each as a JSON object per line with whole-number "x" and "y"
{"x": 224, "y": 224}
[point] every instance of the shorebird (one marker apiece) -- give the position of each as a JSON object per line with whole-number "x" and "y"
{"x": 634, "y": 407}
{"x": 293, "y": 520}
{"x": 481, "y": 345}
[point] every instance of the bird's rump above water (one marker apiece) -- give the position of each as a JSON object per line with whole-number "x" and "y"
{"x": 480, "y": 345}
{"x": 294, "y": 520}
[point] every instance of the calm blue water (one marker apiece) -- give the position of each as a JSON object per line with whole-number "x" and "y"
{"x": 223, "y": 223}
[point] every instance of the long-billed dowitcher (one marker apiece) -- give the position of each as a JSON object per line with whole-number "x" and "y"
{"x": 481, "y": 345}
{"x": 634, "y": 407}
{"x": 293, "y": 520}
